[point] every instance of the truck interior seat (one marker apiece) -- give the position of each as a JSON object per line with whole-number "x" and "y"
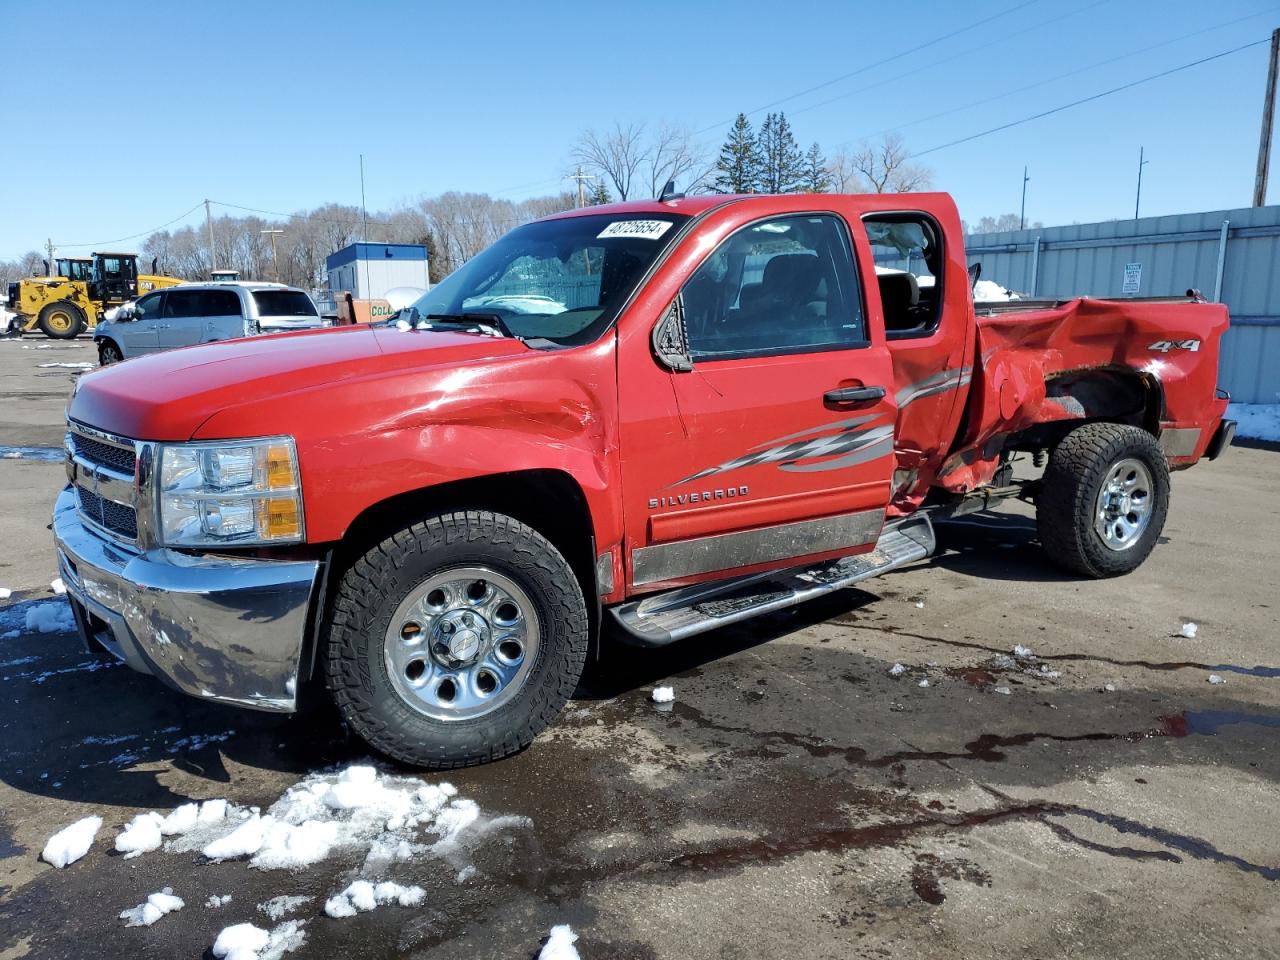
{"x": 899, "y": 293}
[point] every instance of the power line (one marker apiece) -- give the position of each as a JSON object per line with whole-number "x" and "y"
{"x": 1063, "y": 76}
{"x": 104, "y": 243}
{"x": 871, "y": 66}
{"x": 1089, "y": 99}
{"x": 1000, "y": 40}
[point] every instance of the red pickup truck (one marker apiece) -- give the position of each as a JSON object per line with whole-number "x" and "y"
{"x": 666, "y": 415}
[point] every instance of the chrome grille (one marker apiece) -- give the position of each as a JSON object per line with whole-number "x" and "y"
{"x": 102, "y": 468}
{"x": 108, "y": 514}
{"x": 117, "y": 458}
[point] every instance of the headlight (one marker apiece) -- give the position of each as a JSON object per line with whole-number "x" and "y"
{"x": 239, "y": 493}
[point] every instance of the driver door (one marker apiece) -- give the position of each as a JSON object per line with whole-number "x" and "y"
{"x": 776, "y": 447}
{"x": 140, "y": 335}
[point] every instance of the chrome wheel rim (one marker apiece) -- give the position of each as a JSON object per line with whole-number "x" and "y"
{"x": 1123, "y": 510}
{"x": 461, "y": 644}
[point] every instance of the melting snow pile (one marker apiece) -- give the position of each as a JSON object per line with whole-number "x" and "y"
{"x": 897, "y": 670}
{"x": 152, "y": 909}
{"x": 50, "y": 616}
{"x": 244, "y": 941}
{"x": 560, "y": 944}
{"x": 1189, "y": 630}
{"x": 362, "y": 896}
{"x": 663, "y": 694}
{"x": 277, "y": 908}
{"x": 988, "y": 291}
{"x": 1256, "y": 421}
{"x": 71, "y": 843}
{"x": 218, "y": 900}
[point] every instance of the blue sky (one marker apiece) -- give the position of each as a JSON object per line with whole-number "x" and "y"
{"x": 268, "y": 105}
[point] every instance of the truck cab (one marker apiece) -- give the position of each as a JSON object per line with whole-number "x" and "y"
{"x": 640, "y": 421}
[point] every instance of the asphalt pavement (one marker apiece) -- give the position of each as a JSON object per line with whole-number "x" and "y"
{"x": 1099, "y": 795}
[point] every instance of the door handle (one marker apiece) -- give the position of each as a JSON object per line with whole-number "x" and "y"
{"x": 848, "y": 395}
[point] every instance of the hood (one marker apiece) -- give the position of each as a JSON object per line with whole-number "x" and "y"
{"x": 167, "y": 396}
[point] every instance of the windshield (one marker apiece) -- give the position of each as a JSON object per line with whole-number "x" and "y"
{"x": 561, "y": 280}
{"x": 284, "y": 303}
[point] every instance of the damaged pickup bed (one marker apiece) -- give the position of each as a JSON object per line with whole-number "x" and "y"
{"x": 661, "y": 416}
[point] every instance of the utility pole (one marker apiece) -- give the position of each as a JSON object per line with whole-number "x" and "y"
{"x": 1141, "y": 163}
{"x": 1268, "y": 109}
{"x": 275, "y": 259}
{"x": 208, "y": 219}
{"x": 364, "y": 211}
{"x": 1022, "y": 215}
{"x": 582, "y": 179}
{"x": 48, "y": 245}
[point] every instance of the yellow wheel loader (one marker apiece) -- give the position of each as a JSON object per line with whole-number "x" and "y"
{"x": 64, "y": 305}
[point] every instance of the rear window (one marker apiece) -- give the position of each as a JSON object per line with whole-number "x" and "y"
{"x": 284, "y": 303}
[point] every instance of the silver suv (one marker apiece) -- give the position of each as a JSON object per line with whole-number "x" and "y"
{"x": 192, "y": 313}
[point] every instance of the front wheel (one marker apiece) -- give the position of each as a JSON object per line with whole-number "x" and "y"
{"x": 1103, "y": 499}
{"x": 457, "y": 640}
{"x": 62, "y": 320}
{"x": 109, "y": 353}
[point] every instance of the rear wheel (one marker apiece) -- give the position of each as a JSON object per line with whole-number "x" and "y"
{"x": 457, "y": 640}
{"x": 1103, "y": 499}
{"x": 109, "y": 353}
{"x": 62, "y": 320}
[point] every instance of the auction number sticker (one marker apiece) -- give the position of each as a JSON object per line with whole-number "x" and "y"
{"x": 644, "y": 229}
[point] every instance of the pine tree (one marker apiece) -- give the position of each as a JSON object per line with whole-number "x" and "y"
{"x": 816, "y": 177}
{"x": 600, "y": 194}
{"x": 783, "y": 170}
{"x": 738, "y": 169}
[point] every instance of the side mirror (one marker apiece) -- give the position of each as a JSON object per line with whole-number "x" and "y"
{"x": 671, "y": 339}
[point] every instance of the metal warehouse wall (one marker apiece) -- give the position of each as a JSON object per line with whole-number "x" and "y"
{"x": 1237, "y": 267}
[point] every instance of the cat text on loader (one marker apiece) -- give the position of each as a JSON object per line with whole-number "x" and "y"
{"x": 64, "y": 306}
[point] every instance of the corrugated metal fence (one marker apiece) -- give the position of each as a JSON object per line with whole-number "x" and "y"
{"x": 1228, "y": 255}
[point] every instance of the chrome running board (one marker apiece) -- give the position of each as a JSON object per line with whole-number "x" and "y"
{"x": 667, "y": 617}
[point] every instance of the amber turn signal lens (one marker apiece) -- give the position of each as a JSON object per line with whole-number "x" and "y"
{"x": 280, "y": 472}
{"x": 279, "y": 518}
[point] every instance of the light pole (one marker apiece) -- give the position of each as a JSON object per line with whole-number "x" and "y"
{"x": 275, "y": 259}
{"x": 1022, "y": 215}
{"x": 1141, "y": 163}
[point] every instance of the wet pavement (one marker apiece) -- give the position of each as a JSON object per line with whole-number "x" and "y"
{"x": 795, "y": 800}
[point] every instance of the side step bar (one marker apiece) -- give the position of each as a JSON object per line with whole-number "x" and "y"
{"x": 659, "y": 620}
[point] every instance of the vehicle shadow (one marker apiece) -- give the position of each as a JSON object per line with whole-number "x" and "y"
{"x": 992, "y": 545}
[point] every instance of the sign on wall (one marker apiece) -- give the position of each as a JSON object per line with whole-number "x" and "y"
{"x": 1132, "y": 279}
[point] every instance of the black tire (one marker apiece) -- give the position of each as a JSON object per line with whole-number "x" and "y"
{"x": 1067, "y": 505}
{"x": 61, "y": 320}
{"x": 109, "y": 353}
{"x": 374, "y": 586}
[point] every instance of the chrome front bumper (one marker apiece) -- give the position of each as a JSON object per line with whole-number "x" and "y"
{"x": 220, "y": 628}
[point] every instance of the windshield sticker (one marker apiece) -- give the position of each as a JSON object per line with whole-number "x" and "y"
{"x": 644, "y": 229}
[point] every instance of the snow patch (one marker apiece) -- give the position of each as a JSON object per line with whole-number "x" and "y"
{"x": 988, "y": 291}
{"x": 152, "y": 909}
{"x": 663, "y": 694}
{"x": 560, "y": 944}
{"x": 51, "y": 616}
{"x": 69, "y": 366}
{"x": 1189, "y": 631}
{"x": 923, "y": 683}
{"x": 1215, "y": 679}
{"x": 362, "y": 896}
{"x": 1023, "y": 653}
{"x": 244, "y": 941}
{"x": 277, "y": 908}
{"x": 897, "y": 670}
{"x": 71, "y": 843}
{"x": 141, "y": 835}
{"x": 1256, "y": 421}
{"x": 1003, "y": 691}
{"x": 5, "y": 593}
{"x": 57, "y": 586}
{"x": 218, "y": 901}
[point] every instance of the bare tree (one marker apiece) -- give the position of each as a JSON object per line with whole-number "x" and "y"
{"x": 886, "y": 167}
{"x": 617, "y": 155}
{"x": 673, "y": 154}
